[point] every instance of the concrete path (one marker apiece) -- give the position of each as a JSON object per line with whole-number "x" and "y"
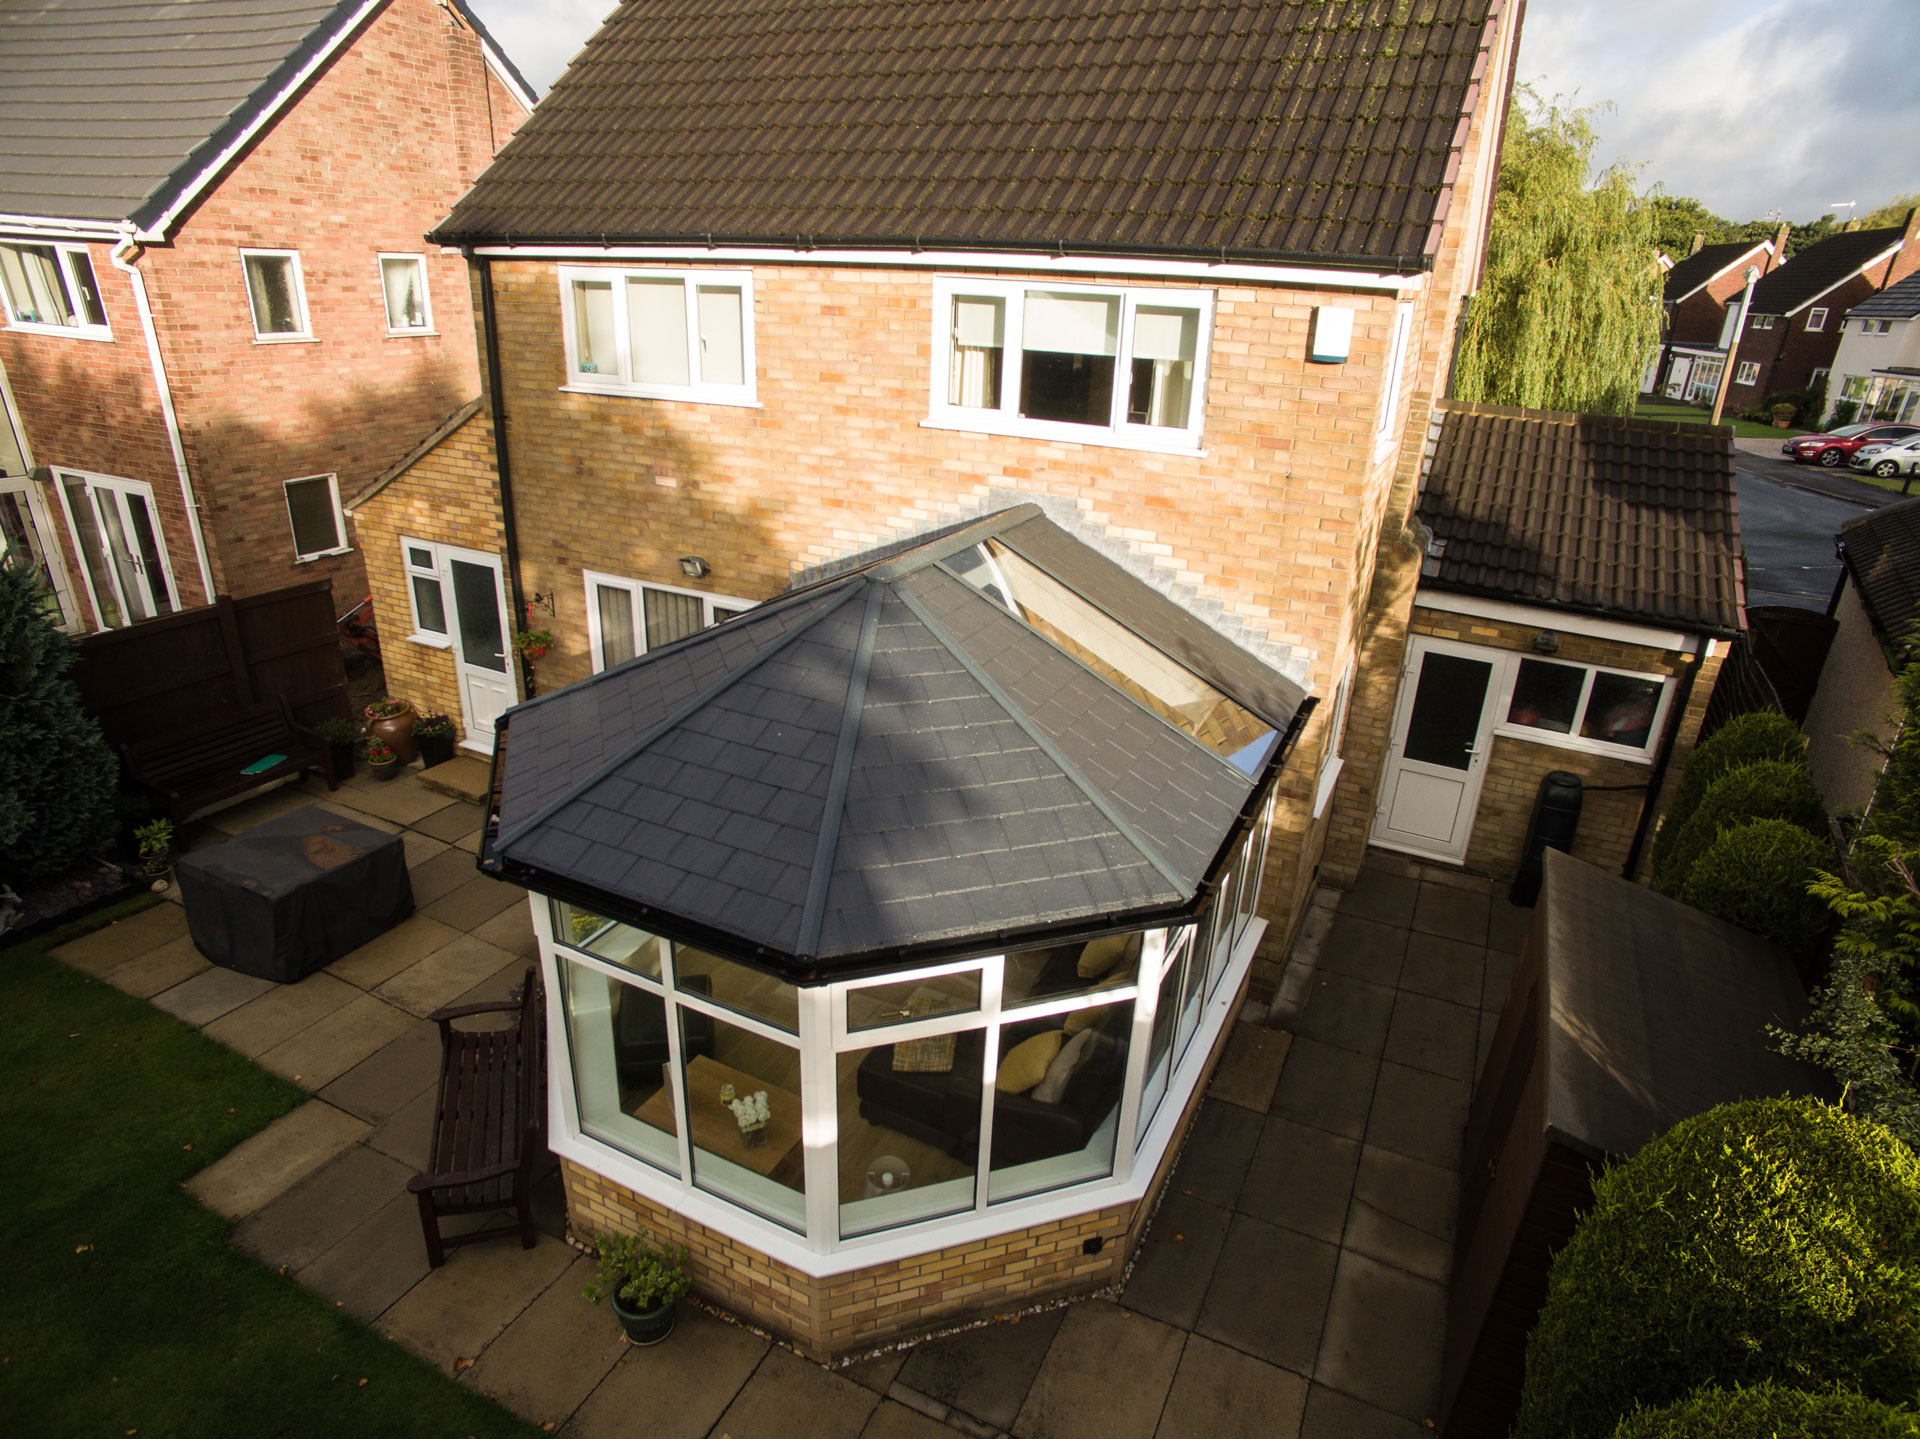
{"x": 1293, "y": 1283}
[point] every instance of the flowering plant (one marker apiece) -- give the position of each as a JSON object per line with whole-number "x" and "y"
{"x": 387, "y": 709}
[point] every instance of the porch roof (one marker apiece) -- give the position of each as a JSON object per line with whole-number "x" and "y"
{"x": 893, "y": 763}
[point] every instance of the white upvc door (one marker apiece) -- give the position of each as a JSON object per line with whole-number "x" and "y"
{"x": 1437, "y": 761}
{"x": 481, "y": 654}
{"x": 123, "y": 555}
{"x": 26, "y": 530}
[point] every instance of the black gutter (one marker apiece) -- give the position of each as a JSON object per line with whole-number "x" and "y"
{"x": 1675, "y": 717}
{"x": 502, "y": 466}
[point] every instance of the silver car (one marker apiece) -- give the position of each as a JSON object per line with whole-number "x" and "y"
{"x": 1888, "y": 458}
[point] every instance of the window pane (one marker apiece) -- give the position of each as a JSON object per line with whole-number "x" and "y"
{"x": 616, "y": 943}
{"x": 616, "y": 625}
{"x": 909, "y": 1130}
{"x": 92, "y": 311}
{"x": 120, "y": 555}
{"x": 979, "y": 347}
{"x": 1057, "y": 971}
{"x": 1160, "y": 1043}
{"x": 617, "y": 1036}
{"x": 93, "y": 552}
{"x": 722, "y": 351}
{"x": 270, "y": 288}
{"x": 1164, "y": 343}
{"x": 476, "y": 607}
{"x": 881, "y": 1004}
{"x": 1621, "y": 709}
{"x": 670, "y": 616}
{"x": 13, "y": 279}
{"x": 1546, "y": 696}
{"x": 737, "y": 987}
{"x": 593, "y": 328}
{"x": 657, "y": 331}
{"x": 316, "y": 527}
{"x": 1067, "y": 354}
{"x": 44, "y": 287}
{"x": 1446, "y": 710}
{"x": 429, "y": 605}
{"x": 152, "y": 566}
{"x": 419, "y": 557}
{"x": 404, "y": 280}
{"x": 24, "y": 545}
{"x": 743, "y": 1113}
{"x": 1056, "y": 1103}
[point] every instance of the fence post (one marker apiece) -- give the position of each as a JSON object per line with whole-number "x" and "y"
{"x": 236, "y": 655}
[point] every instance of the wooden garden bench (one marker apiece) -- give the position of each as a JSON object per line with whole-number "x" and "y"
{"x": 191, "y": 769}
{"x": 489, "y": 1126}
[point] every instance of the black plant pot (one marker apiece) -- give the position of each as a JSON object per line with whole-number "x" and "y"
{"x": 643, "y": 1326}
{"x": 345, "y": 761}
{"x": 390, "y": 770}
{"x": 434, "y": 749}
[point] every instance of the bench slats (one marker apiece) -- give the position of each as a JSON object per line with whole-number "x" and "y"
{"x": 193, "y": 769}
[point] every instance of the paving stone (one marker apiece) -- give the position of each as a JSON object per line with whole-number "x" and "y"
{"x": 878, "y": 1371}
{"x": 269, "y": 1163}
{"x": 1218, "y": 1392}
{"x": 346, "y": 804}
{"x": 1301, "y": 1177}
{"x": 1351, "y": 1013}
{"x": 1213, "y": 1163}
{"x": 897, "y": 1421}
{"x": 1489, "y": 1026}
{"x": 456, "y": 1311}
{"x": 465, "y": 776}
{"x": 444, "y": 975}
{"x": 113, "y": 945}
{"x": 1249, "y": 1070}
{"x": 399, "y": 801}
{"x": 984, "y": 1371}
{"x": 148, "y": 974}
{"x": 475, "y": 902}
{"x": 408, "y": 1134}
{"x": 1499, "y": 978}
{"x": 677, "y": 1389}
{"x": 451, "y": 822}
{"x": 374, "y": 1264}
{"x": 280, "y": 1014}
{"x": 1106, "y": 1376}
{"x": 1383, "y": 1338}
{"x": 471, "y": 843}
{"x": 419, "y": 848}
{"x": 1269, "y": 1293}
{"x": 1333, "y": 1415}
{"x": 399, "y": 1071}
{"x": 1448, "y": 969}
{"x": 1175, "y": 1261}
{"x": 1380, "y": 895}
{"x": 512, "y": 930}
{"x": 1364, "y": 948}
{"x": 329, "y": 1047}
{"x": 548, "y": 1360}
{"x": 243, "y": 815}
{"x": 440, "y": 876}
{"x": 496, "y": 988}
{"x": 1507, "y": 926}
{"x": 1380, "y": 1236}
{"x": 385, "y": 955}
{"x": 315, "y": 1214}
{"x": 1453, "y": 913}
{"x": 209, "y": 994}
{"x": 788, "y": 1396}
{"x": 1433, "y": 1035}
{"x": 1327, "y": 1087}
{"x": 1418, "y": 1114}
{"x": 1425, "y": 1196}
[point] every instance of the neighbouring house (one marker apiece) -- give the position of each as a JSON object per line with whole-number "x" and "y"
{"x": 1032, "y": 400}
{"x": 1793, "y": 325}
{"x": 1701, "y": 302}
{"x": 1579, "y": 584}
{"x": 1876, "y": 370}
{"x": 1877, "y": 607}
{"x": 221, "y": 314}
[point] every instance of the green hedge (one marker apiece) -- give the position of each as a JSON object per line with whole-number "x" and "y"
{"x": 1771, "y": 1240}
{"x": 1756, "y": 875}
{"x": 1771, "y": 789}
{"x": 1744, "y": 739}
{"x": 1768, "y": 1411}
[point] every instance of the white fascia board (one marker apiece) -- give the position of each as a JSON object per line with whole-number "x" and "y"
{"x": 1861, "y": 270}
{"x": 43, "y": 227}
{"x": 496, "y": 63}
{"x": 1741, "y": 258}
{"x": 1541, "y": 617}
{"x": 971, "y": 260}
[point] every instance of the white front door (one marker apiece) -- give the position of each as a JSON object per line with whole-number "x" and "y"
{"x": 480, "y": 652}
{"x": 1442, "y": 732}
{"x": 123, "y": 557}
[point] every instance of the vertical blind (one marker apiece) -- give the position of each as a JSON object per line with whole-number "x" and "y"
{"x": 657, "y": 331}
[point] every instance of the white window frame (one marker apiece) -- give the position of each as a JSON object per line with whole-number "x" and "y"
{"x": 339, "y": 518}
{"x": 85, "y": 330}
{"x": 592, "y": 579}
{"x": 433, "y": 639}
{"x": 277, "y": 337}
{"x": 42, "y": 520}
{"x": 426, "y": 294}
{"x": 92, "y": 484}
{"x": 1398, "y": 349}
{"x": 1816, "y": 319}
{"x": 1332, "y": 760}
{"x": 744, "y": 395}
{"x": 1118, "y": 432}
{"x": 1762, "y": 322}
{"x": 1510, "y": 677}
{"x": 1748, "y": 372}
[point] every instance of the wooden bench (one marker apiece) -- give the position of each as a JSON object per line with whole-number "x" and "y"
{"x": 489, "y": 1126}
{"x": 191, "y": 769}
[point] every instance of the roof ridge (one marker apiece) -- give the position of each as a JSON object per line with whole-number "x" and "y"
{"x": 833, "y": 808}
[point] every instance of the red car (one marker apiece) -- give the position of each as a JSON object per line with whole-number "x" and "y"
{"x": 1837, "y": 446}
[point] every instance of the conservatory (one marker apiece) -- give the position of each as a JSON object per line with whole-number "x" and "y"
{"x": 891, "y": 926}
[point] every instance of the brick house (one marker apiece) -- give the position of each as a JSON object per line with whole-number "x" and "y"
{"x": 1131, "y": 323}
{"x": 1700, "y": 300}
{"x": 220, "y": 312}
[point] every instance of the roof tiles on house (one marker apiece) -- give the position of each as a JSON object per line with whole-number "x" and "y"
{"x": 1899, "y": 301}
{"x": 1629, "y": 519}
{"x": 1818, "y": 268}
{"x": 1705, "y": 265}
{"x": 1882, "y": 552}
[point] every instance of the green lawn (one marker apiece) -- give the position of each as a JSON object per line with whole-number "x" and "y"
{"x": 1745, "y": 429}
{"x": 123, "y": 1307}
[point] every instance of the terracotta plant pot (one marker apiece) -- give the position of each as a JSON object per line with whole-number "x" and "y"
{"x": 1783, "y": 424}
{"x": 396, "y": 731}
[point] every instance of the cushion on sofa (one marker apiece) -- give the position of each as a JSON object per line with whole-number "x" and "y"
{"x": 1026, "y": 1063}
{"x": 1086, "y": 1018}
{"x": 1101, "y": 955}
{"x": 1071, "y": 1056}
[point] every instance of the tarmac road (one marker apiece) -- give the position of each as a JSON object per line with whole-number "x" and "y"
{"x": 1789, "y": 515}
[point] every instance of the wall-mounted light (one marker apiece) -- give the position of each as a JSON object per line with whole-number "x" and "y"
{"x": 693, "y": 567}
{"x": 1332, "y": 338}
{"x": 1547, "y": 642}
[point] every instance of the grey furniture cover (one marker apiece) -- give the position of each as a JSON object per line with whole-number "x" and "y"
{"x": 294, "y": 894}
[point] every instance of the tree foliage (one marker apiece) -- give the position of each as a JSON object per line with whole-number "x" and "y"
{"x": 1569, "y": 309}
{"x": 1892, "y": 214}
{"x": 1770, "y": 1411}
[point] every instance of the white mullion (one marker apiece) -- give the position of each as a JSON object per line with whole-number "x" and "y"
{"x": 622, "y": 338}
{"x": 819, "y": 1119}
{"x": 1012, "y": 353}
{"x": 694, "y": 1000}
{"x": 79, "y": 549}
{"x": 1068, "y": 1004}
{"x": 845, "y": 1037}
{"x": 696, "y": 353}
{"x": 682, "y": 1130}
{"x": 1153, "y": 950}
{"x": 1580, "y": 710}
{"x": 1122, "y": 386}
{"x": 94, "y": 492}
{"x": 992, "y": 985}
{"x": 612, "y": 970}
{"x": 563, "y": 1100}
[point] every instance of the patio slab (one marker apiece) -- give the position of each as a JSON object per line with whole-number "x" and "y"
{"x": 1219, "y": 1391}
{"x": 1250, "y": 1069}
{"x": 209, "y": 994}
{"x": 519, "y": 1367}
{"x": 451, "y": 822}
{"x": 1449, "y": 969}
{"x": 512, "y": 930}
{"x": 1434, "y": 1035}
{"x": 677, "y": 1389}
{"x": 462, "y": 1306}
{"x": 407, "y": 1134}
{"x": 148, "y": 974}
{"x": 1350, "y": 1013}
{"x": 1453, "y": 913}
{"x": 1269, "y": 1293}
{"x": 462, "y": 777}
{"x": 896, "y": 1421}
{"x": 436, "y": 878}
{"x": 788, "y": 1396}
{"x": 1365, "y": 949}
{"x": 280, "y": 1014}
{"x": 1326, "y": 1086}
{"x": 983, "y": 1372}
{"x": 388, "y": 1079}
{"x": 444, "y": 975}
{"x": 1333, "y": 1415}
{"x": 1174, "y": 1264}
{"x": 1380, "y": 894}
{"x": 476, "y": 901}
{"x": 329, "y": 1047}
{"x": 1301, "y": 1177}
{"x": 373, "y": 1264}
{"x": 1418, "y": 1114}
{"x": 402, "y": 803}
{"x": 1383, "y": 1337}
{"x": 322, "y": 1209}
{"x": 1106, "y": 1376}
{"x": 108, "y": 948}
{"x": 384, "y": 956}
{"x": 269, "y": 1163}
{"x": 1213, "y": 1165}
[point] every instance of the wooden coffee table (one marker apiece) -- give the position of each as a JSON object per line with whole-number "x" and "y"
{"x": 713, "y": 1126}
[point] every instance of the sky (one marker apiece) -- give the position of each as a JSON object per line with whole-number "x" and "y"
{"x": 1749, "y": 106}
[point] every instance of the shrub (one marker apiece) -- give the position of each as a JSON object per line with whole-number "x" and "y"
{"x": 1768, "y": 1411}
{"x": 1772, "y": 789}
{"x": 1744, "y": 739}
{"x": 1896, "y": 797}
{"x": 1774, "y": 1240}
{"x": 1756, "y": 875}
{"x": 1844, "y": 412}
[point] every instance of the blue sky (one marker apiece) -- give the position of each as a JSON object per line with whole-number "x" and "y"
{"x": 1750, "y": 106}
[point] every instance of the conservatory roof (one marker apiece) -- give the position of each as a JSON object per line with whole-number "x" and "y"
{"x": 896, "y": 761}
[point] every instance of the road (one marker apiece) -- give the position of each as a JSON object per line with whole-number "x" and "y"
{"x": 1789, "y": 515}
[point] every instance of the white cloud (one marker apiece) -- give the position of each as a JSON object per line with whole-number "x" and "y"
{"x": 541, "y": 37}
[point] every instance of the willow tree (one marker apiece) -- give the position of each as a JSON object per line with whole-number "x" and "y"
{"x": 1568, "y": 312}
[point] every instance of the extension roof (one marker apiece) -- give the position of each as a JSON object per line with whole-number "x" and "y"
{"x": 885, "y": 764}
{"x": 1304, "y": 129}
{"x": 1818, "y": 268}
{"x": 1629, "y": 519}
{"x": 1704, "y": 266}
{"x": 111, "y": 110}
{"x": 1899, "y": 301}
{"x": 1882, "y": 553}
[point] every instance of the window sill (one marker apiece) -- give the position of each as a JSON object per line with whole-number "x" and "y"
{"x": 1329, "y": 776}
{"x": 412, "y": 334}
{"x": 1064, "y": 434}
{"x": 322, "y": 555}
{"x": 432, "y": 642}
{"x": 680, "y": 396}
{"x": 1553, "y": 739}
{"x": 260, "y": 339}
{"x": 64, "y": 332}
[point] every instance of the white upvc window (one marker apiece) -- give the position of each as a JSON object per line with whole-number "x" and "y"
{"x": 1761, "y": 322}
{"x": 1748, "y": 372}
{"x": 666, "y": 334}
{"x": 627, "y": 617}
{"x": 403, "y": 289}
{"x": 1584, "y": 707}
{"x": 276, "y": 295}
{"x": 1331, "y": 759}
{"x": 1086, "y": 363}
{"x": 51, "y": 289}
{"x": 313, "y": 514}
{"x": 1397, "y": 356}
{"x": 1816, "y": 321}
{"x": 426, "y": 595}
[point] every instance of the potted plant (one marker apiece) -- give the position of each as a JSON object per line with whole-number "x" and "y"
{"x": 643, "y": 1281}
{"x": 433, "y": 736}
{"x": 383, "y": 761}
{"x": 1783, "y": 416}
{"x": 532, "y": 644}
{"x": 391, "y": 722}
{"x": 339, "y": 735}
{"x": 156, "y": 847}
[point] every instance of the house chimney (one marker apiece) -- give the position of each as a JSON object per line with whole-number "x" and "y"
{"x": 1779, "y": 256}
{"x": 1907, "y": 260}
{"x": 1699, "y": 239}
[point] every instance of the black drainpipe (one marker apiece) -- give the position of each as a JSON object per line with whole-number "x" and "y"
{"x": 1675, "y": 717}
{"x": 501, "y": 465}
